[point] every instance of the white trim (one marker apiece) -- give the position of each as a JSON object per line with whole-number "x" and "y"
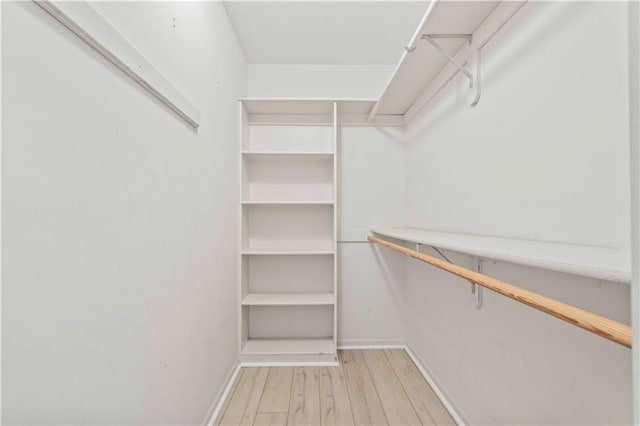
{"x": 441, "y": 396}
{"x": 99, "y": 34}
{"x": 218, "y": 402}
{"x": 289, "y": 364}
{"x": 351, "y": 344}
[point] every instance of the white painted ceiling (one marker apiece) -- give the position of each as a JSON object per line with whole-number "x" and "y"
{"x": 324, "y": 32}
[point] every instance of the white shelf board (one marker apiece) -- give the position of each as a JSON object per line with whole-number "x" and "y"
{"x": 271, "y": 154}
{"x": 288, "y": 203}
{"x": 272, "y": 252}
{"x": 588, "y": 261}
{"x": 306, "y": 106}
{"x": 417, "y": 69}
{"x": 289, "y": 346}
{"x": 285, "y": 299}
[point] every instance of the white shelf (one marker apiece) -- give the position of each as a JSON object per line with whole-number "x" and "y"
{"x": 278, "y": 252}
{"x": 289, "y": 346}
{"x": 424, "y": 71}
{"x": 289, "y": 203}
{"x": 306, "y": 106}
{"x": 588, "y": 261}
{"x": 284, "y": 299}
{"x": 326, "y": 155}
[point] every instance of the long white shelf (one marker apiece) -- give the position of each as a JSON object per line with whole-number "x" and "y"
{"x": 321, "y": 154}
{"x": 289, "y": 346}
{"x": 306, "y": 106}
{"x": 289, "y": 203}
{"x": 277, "y": 251}
{"x": 588, "y": 261}
{"x": 286, "y": 299}
{"x": 423, "y": 71}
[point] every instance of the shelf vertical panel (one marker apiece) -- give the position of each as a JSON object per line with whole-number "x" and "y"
{"x": 335, "y": 225}
{"x": 243, "y": 320}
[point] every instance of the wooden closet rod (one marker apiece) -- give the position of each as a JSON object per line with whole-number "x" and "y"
{"x": 605, "y": 327}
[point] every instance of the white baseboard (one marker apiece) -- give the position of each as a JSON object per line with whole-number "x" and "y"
{"x": 447, "y": 404}
{"x": 289, "y": 364}
{"x": 371, "y": 344}
{"x": 218, "y": 402}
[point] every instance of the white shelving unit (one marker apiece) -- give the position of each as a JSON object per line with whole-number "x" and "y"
{"x": 587, "y": 261}
{"x": 287, "y": 287}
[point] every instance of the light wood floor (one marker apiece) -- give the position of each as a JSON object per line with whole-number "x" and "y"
{"x": 370, "y": 387}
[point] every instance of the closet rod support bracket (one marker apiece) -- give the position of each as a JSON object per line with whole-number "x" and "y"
{"x": 442, "y": 255}
{"x": 474, "y": 78}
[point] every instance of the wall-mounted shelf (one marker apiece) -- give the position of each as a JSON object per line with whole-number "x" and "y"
{"x": 288, "y": 203}
{"x": 283, "y": 299}
{"x": 287, "y": 252}
{"x": 587, "y": 261}
{"x": 86, "y": 23}
{"x": 423, "y": 70}
{"x": 290, "y": 111}
{"x": 267, "y": 154}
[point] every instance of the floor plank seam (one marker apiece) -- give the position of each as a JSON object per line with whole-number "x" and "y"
{"x": 406, "y": 392}
{"x": 262, "y": 394}
{"x": 368, "y": 372}
{"x": 346, "y": 384}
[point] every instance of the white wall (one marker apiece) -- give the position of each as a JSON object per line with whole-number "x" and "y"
{"x": 544, "y": 156}
{"x": 371, "y": 193}
{"x": 119, "y": 244}
{"x": 317, "y": 81}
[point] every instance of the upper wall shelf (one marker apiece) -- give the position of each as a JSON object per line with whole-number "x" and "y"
{"x": 588, "y": 261}
{"x": 306, "y": 106}
{"x": 288, "y": 111}
{"x": 423, "y": 70}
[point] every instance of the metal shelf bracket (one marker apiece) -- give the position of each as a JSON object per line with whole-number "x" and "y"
{"x": 473, "y": 61}
{"x": 475, "y": 289}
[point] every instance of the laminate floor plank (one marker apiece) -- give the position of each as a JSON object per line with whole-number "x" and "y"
{"x": 304, "y": 407}
{"x": 422, "y": 397}
{"x": 243, "y": 406}
{"x": 394, "y": 400}
{"x": 335, "y": 407}
{"x": 365, "y": 404}
{"x": 270, "y": 419}
{"x": 277, "y": 391}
